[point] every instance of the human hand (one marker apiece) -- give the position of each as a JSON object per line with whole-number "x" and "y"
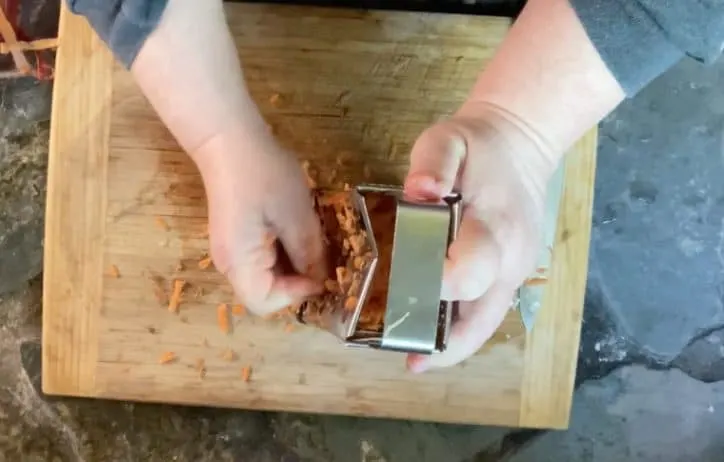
{"x": 501, "y": 167}
{"x": 257, "y": 192}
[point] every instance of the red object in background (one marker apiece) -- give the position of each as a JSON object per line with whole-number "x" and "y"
{"x": 42, "y": 70}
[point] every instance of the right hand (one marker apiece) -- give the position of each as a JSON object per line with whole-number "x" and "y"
{"x": 257, "y": 193}
{"x": 501, "y": 167}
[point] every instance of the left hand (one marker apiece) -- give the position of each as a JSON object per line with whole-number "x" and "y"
{"x": 501, "y": 168}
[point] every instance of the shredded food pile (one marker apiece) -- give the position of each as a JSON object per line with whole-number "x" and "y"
{"x": 350, "y": 256}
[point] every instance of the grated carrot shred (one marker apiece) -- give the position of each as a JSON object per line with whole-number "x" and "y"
{"x": 222, "y": 318}
{"x": 167, "y": 357}
{"x": 175, "y": 301}
{"x": 246, "y": 373}
{"x": 238, "y": 310}
{"x": 205, "y": 263}
{"x": 114, "y": 272}
{"x": 532, "y": 282}
{"x": 161, "y": 223}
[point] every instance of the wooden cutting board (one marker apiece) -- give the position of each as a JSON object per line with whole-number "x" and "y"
{"x": 349, "y": 91}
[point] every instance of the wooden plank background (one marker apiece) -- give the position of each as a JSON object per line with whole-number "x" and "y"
{"x": 347, "y": 90}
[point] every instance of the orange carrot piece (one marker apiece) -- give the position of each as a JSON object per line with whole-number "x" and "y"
{"x": 161, "y": 223}
{"x": 114, "y": 272}
{"x": 175, "y": 301}
{"x": 246, "y": 373}
{"x": 204, "y": 263}
{"x": 531, "y": 282}
{"x": 238, "y": 310}
{"x": 167, "y": 357}
{"x": 289, "y": 328}
{"x": 222, "y": 318}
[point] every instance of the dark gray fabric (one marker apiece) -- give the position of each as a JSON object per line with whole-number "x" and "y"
{"x": 637, "y": 39}
{"x": 640, "y": 39}
{"x": 124, "y": 25}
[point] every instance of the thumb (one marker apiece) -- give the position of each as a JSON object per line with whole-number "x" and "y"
{"x": 261, "y": 286}
{"x": 478, "y": 321}
{"x": 435, "y": 160}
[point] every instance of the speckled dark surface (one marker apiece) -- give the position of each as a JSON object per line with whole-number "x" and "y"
{"x": 651, "y": 355}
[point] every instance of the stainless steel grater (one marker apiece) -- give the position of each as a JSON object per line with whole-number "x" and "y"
{"x": 415, "y": 319}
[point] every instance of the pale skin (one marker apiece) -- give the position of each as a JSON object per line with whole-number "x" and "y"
{"x": 543, "y": 90}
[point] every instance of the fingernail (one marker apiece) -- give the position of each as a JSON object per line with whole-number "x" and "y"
{"x": 425, "y": 186}
{"x": 416, "y": 364}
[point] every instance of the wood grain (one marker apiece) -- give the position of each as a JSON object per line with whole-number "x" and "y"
{"x": 348, "y": 91}
{"x": 76, "y": 203}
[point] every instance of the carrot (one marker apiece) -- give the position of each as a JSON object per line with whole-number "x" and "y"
{"x": 350, "y": 303}
{"x": 238, "y": 310}
{"x": 531, "y": 282}
{"x": 204, "y": 263}
{"x": 246, "y": 373}
{"x": 161, "y": 223}
{"x": 275, "y": 100}
{"x": 168, "y": 358}
{"x": 289, "y": 328}
{"x": 175, "y": 301}
{"x": 228, "y": 355}
{"x": 222, "y": 318}
{"x": 113, "y": 272}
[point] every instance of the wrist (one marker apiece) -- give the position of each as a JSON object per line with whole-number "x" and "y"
{"x": 529, "y": 151}
{"x": 231, "y": 149}
{"x": 549, "y": 74}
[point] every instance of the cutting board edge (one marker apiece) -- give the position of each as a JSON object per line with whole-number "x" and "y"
{"x": 78, "y": 261}
{"x": 568, "y": 283}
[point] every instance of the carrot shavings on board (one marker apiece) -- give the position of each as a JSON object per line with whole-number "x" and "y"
{"x": 246, "y": 373}
{"x": 205, "y": 263}
{"x": 222, "y": 318}
{"x": 114, "y": 272}
{"x": 167, "y": 357}
{"x": 161, "y": 223}
{"x": 175, "y": 301}
{"x": 238, "y": 310}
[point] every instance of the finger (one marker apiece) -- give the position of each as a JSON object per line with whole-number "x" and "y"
{"x": 473, "y": 261}
{"x": 480, "y": 321}
{"x": 253, "y": 270}
{"x": 265, "y": 291}
{"x": 435, "y": 160}
{"x": 299, "y": 230}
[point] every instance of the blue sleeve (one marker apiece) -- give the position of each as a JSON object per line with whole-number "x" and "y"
{"x": 124, "y": 25}
{"x": 640, "y": 39}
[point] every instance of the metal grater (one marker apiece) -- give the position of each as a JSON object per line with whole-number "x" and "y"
{"x": 415, "y": 319}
